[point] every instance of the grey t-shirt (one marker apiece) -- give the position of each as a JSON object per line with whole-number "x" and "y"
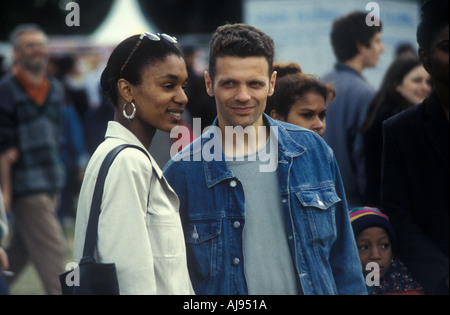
{"x": 268, "y": 263}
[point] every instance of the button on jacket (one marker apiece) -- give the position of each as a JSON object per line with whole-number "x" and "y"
{"x": 139, "y": 227}
{"x": 318, "y": 230}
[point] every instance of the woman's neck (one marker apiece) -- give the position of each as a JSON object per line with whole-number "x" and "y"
{"x": 144, "y": 134}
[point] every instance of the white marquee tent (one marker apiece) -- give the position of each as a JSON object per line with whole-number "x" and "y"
{"x": 124, "y": 19}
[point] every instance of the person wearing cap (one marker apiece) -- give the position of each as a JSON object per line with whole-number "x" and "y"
{"x": 376, "y": 244}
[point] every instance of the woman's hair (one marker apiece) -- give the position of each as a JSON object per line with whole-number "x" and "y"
{"x": 350, "y": 30}
{"x": 240, "y": 40}
{"x": 148, "y": 53}
{"x": 434, "y": 18}
{"x": 388, "y": 95}
{"x": 291, "y": 85}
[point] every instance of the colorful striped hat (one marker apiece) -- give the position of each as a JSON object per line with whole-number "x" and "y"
{"x": 366, "y": 217}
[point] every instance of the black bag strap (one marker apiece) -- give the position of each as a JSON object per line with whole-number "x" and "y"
{"x": 90, "y": 241}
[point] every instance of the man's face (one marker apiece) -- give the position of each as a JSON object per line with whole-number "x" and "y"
{"x": 371, "y": 54}
{"x": 31, "y": 51}
{"x": 241, "y": 87}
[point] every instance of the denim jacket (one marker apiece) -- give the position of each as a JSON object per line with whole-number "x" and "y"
{"x": 319, "y": 231}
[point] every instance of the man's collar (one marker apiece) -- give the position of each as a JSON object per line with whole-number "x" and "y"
{"x": 217, "y": 170}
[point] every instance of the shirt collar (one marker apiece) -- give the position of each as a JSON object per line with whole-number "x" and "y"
{"x": 340, "y": 66}
{"x": 218, "y": 171}
{"x": 117, "y": 131}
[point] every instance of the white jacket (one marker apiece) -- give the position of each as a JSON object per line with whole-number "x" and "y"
{"x": 139, "y": 227}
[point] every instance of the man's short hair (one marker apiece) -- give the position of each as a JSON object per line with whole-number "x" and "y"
{"x": 24, "y": 28}
{"x": 434, "y": 19}
{"x": 350, "y": 30}
{"x": 240, "y": 40}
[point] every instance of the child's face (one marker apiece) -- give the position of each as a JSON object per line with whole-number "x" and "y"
{"x": 374, "y": 246}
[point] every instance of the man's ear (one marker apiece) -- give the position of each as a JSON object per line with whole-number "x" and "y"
{"x": 425, "y": 60}
{"x": 273, "y": 80}
{"x": 360, "y": 48}
{"x": 124, "y": 88}
{"x": 209, "y": 84}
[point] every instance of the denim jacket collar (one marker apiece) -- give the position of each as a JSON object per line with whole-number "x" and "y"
{"x": 218, "y": 171}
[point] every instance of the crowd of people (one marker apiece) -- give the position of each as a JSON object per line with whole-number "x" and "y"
{"x": 357, "y": 202}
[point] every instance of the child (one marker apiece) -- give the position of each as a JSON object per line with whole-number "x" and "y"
{"x": 375, "y": 240}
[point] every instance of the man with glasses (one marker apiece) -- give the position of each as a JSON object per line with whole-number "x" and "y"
{"x": 250, "y": 229}
{"x": 31, "y": 170}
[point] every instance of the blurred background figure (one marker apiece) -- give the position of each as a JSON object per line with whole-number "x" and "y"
{"x": 98, "y": 110}
{"x": 200, "y": 104}
{"x": 405, "y": 50}
{"x": 415, "y": 162}
{"x": 73, "y": 154}
{"x": 357, "y": 46}
{"x": 299, "y": 98}
{"x": 406, "y": 84}
{"x": 32, "y": 128}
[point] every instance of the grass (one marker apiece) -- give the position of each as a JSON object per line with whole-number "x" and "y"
{"x": 28, "y": 282}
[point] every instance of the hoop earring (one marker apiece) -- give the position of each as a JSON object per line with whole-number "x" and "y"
{"x": 133, "y": 114}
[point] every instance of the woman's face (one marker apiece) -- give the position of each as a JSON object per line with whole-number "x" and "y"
{"x": 160, "y": 98}
{"x": 374, "y": 246}
{"x": 309, "y": 112}
{"x": 415, "y": 86}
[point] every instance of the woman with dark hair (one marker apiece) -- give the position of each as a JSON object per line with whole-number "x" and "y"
{"x": 299, "y": 98}
{"x": 406, "y": 83}
{"x": 139, "y": 225}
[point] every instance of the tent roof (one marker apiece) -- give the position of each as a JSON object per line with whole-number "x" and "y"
{"x": 124, "y": 20}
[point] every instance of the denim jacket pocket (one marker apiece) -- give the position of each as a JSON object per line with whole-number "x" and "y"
{"x": 204, "y": 246}
{"x": 319, "y": 214}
